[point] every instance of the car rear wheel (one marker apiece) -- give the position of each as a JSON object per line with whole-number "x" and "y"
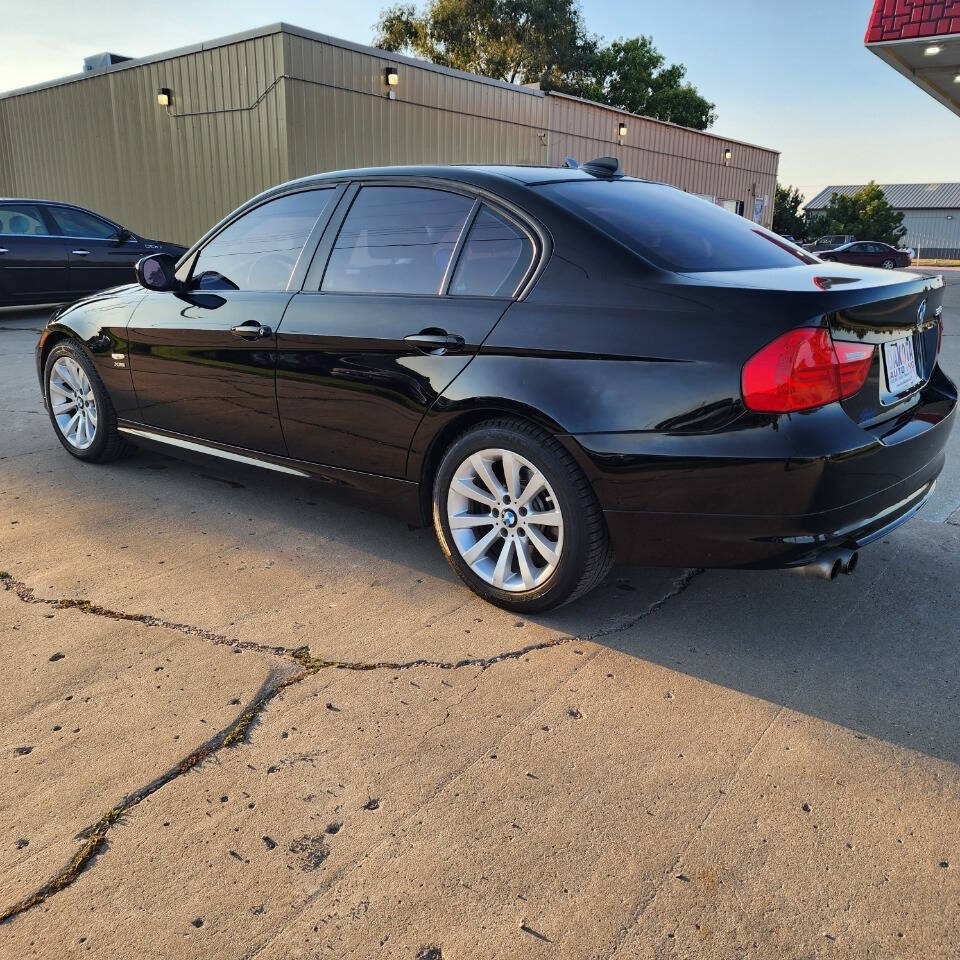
{"x": 516, "y": 518}
{"x": 888, "y": 264}
{"x": 79, "y": 406}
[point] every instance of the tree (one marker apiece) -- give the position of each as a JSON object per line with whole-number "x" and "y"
{"x": 865, "y": 215}
{"x": 545, "y": 42}
{"x": 514, "y": 40}
{"x": 631, "y": 74}
{"x": 786, "y": 216}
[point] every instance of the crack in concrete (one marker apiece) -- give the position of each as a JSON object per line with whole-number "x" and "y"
{"x": 27, "y": 595}
{"x": 313, "y": 664}
{"x": 94, "y": 836}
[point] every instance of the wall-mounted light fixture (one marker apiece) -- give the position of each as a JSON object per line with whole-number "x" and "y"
{"x": 727, "y": 154}
{"x": 392, "y": 80}
{"x": 956, "y": 79}
{"x": 621, "y": 129}
{"x": 932, "y": 50}
{"x": 164, "y": 96}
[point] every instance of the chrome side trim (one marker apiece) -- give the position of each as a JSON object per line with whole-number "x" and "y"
{"x": 212, "y": 451}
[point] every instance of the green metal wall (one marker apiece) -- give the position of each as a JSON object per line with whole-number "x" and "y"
{"x": 254, "y": 110}
{"x": 103, "y": 142}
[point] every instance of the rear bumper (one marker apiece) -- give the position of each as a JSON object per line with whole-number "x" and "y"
{"x": 761, "y": 496}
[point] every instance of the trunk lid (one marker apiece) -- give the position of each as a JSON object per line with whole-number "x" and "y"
{"x": 898, "y": 313}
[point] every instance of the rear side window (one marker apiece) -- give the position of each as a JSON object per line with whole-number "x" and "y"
{"x": 259, "y": 251}
{"x": 494, "y": 258}
{"x": 396, "y": 240}
{"x": 21, "y": 220}
{"x": 675, "y": 230}
{"x": 79, "y": 223}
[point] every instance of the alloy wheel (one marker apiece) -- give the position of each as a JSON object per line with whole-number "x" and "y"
{"x": 73, "y": 403}
{"x": 888, "y": 264}
{"x": 505, "y": 520}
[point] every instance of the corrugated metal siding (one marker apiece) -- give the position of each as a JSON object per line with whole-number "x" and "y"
{"x": 339, "y": 116}
{"x": 933, "y": 233}
{"x": 103, "y": 141}
{"x": 903, "y": 196}
{"x": 257, "y": 109}
{"x": 685, "y": 158}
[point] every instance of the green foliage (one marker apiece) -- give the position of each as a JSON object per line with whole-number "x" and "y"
{"x": 545, "y": 42}
{"x": 866, "y": 215}
{"x": 514, "y": 40}
{"x": 786, "y": 216}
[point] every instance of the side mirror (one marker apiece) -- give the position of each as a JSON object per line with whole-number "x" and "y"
{"x": 157, "y": 272}
{"x": 122, "y": 236}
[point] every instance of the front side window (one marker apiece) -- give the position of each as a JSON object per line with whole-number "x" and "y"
{"x": 396, "y": 240}
{"x": 672, "y": 229}
{"x": 259, "y": 250}
{"x": 79, "y": 223}
{"x": 494, "y": 259}
{"x": 21, "y": 220}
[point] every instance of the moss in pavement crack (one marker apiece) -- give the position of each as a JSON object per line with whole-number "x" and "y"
{"x": 94, "y": 837}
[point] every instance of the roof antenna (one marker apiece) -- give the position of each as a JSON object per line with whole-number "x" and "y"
{"x": 606, "y": 168}
{"x": 570, "y": 162}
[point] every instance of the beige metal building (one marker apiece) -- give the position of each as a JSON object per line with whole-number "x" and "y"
{"x": 254, "y": 109}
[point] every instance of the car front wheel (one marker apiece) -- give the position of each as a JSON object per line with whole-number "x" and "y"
{"x": 517, "y": 519}
{"x": 80, "y": 409}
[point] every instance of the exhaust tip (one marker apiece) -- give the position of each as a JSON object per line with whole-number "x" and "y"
{"x": 852, "y": 562}
{"x": 836, "y": 569}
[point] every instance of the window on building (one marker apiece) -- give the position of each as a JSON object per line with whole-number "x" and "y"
{"x": 494, "y": 259}
{"x": 80, "y": 224}
{"x": 260, "y": 249}
{"x": 21, "y": 220}
{"x": 396, "y": 240}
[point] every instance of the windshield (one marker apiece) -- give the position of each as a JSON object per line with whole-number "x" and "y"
{"x": 675, "y": 230}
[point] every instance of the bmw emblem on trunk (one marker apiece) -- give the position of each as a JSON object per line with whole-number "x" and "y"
{"x": 921, "y": 312}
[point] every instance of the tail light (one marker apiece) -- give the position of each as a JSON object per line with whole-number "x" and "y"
{"x": 803, "y": 369}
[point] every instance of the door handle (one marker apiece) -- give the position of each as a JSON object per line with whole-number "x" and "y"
{"x": 436, "y": 342}
{"x": 3, "y": 250}
{"x": 81, "y": 253}
{"x": 251, "y": 330}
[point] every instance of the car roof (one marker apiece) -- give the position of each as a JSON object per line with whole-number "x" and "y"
{"x": 476, "y": 174}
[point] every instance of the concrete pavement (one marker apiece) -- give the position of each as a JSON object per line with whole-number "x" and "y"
{"x": 682, "y": 765}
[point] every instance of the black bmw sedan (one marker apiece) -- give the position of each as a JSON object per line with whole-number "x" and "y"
{"x": 56, "y": 252}
{"x": 554, "y": 367}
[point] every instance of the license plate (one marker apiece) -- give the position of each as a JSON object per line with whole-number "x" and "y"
{"x": 901, "y": 364}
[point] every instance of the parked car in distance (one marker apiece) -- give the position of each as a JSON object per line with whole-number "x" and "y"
{"x": 868, "y": 253}
{"x": 828, "y": 242}
{"x": 553, "y": 367}
{"x": 55, "y": 252}
{"x": 788, "y": 236}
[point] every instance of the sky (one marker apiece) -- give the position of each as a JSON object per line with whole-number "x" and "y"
{"x": 792, "y": 76}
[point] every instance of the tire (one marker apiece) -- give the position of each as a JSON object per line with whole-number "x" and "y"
{"x": 888, "y": 264}
{"x": 68, "y": 374}
{"x": 514, "y": 570}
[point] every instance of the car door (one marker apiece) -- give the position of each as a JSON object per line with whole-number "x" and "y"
{"x": 859, "y": 254}
{"x": 203, "y": 359}
{"x": 407, "y": 283}
{"x": 33, "y": 263}
{"x": 100, "y": 253}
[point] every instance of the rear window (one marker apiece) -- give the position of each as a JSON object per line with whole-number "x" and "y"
{"x": 675, "y": 230}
